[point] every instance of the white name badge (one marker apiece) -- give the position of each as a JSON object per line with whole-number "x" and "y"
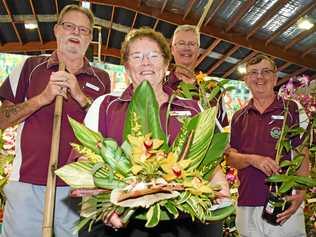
{"x": 277, "y": 117}
{"x": 91, "y": 86}
{"x": 180, "y": 113}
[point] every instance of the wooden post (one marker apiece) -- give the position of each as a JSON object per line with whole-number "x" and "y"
{"x": 48, "y": 215}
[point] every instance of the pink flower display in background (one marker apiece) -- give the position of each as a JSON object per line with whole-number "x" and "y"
{"x": 302, "y": 90}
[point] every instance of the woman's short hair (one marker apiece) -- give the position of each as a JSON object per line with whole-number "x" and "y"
{"x": 145, "y": 33}
{"x": 77, "y": 8}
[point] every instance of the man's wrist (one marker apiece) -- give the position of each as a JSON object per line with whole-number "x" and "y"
{"x": 87, "y": 104}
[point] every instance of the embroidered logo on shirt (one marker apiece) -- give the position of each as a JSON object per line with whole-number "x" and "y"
{"x": 180, "y": 113}
{"x": 275, "y": 132}
{"x": 91, "y": 86}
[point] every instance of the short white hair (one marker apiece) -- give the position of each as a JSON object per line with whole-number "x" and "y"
{"x": 194, "y": 29}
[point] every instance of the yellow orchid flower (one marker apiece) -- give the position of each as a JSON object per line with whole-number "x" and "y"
{"x": 212, "y": 84}
{"x": 200, "y": 77}
{"x": 173, "y": 168}
{"x": 198, "y": 186}
{"x": 143, "y": 147}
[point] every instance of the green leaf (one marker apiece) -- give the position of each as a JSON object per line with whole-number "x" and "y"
{"x": 172, "y": 208}
{"x": 306, "y": 181}
{"x": 216, "y": 149}
{"x": 287, "y": 185}
{"x": 77, "y": 174}
{"x": 153, "y": 216}
{"x": 183, "y": 197}
{"x": 202, "y": 137}
{"x": 285, "y": 163}
{"x": 220, "y": 214}
{"x": 86, "y": 136}
{"x": 145, "y": 107}
{"x": 213, "y": 93}
{"x": 278, "y": 178}
{"x": 185, "y": 89}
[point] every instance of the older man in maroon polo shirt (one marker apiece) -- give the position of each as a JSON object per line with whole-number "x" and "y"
{"x": 185, "y": 50}
{"x": 28, "y": 100}
{"x": 255, "y": 130}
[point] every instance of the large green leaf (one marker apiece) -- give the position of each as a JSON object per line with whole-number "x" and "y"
{"x": 220, "y": 214}
{"x": 202, "y": 137}
{"x": 77, "y": 174}
{"x": 144, "y": 105}
{"x": 216, "y": 149}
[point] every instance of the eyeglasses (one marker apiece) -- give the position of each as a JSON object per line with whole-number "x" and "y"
{"x": 264, "y": 72}
{"x": 153, "y": 57}
{"x": 182, "y": 44}
{"x": 68, "y": 26}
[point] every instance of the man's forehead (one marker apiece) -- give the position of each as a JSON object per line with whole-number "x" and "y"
{"x": 262, "y": 64}
{"x": 179, "y": 35}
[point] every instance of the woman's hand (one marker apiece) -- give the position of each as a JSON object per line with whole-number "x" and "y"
{"x": 113, "y": 220}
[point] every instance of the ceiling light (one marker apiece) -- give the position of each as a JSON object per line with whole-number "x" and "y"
{"x": 30, "y": 25}
{"x": 85, "y": 4}
{"x": 305, "y": 23}
{"x": 241, "y": 69}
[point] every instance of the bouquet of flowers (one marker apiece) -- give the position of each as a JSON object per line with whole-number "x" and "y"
{"x": 145, "y": 178}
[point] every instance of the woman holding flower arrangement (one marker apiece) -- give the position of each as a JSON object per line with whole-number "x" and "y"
{"x": 146, "y": 55}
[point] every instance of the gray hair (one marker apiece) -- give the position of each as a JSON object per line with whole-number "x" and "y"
{"x": 192, "y": 28}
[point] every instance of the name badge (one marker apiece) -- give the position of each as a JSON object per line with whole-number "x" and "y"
{"x": 277, "y": 117}
{"x": 180, "y": 113}
{"x": 91, "y": 86}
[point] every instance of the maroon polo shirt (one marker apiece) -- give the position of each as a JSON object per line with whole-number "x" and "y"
{"x": 256, "y": 133}
{"x": 171, "y": 84}
{"x": 35, "y": 133}
{"x": 113, "y": 111}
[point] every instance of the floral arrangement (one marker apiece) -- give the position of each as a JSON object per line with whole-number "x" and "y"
{"x": 7, "y": 152}
{"x": 144, "y": 178}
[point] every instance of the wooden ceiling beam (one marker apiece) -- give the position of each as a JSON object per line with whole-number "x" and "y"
{"x": 223, "y": 58}
{"x": 294, "y": 74}
{"x": 110, "y": 28}
{"x": 163, "y": 6}
{"x": 267, "y": 16}
{"x": 50, "y": 45}
{"x": 241, "y": 11}
{"x": 305, "y": 10}
{"x": 37, "y": 22}
{"x": 309, "y": 50}
{"x": 214, "y": 31}
{"x": 300, "y": 37}
{"x": 232, "y": 69}
{"x": 207, "y": 51}
{"x": 12, "y": 21}
{"x": 213, "y": 12}
{"x": 189, "y": 8}
{"x": 285, "y": 65}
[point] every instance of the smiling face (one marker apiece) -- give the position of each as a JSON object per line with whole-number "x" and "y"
{"x": 261, "y": 78}
{"x": 73, "y": 42}
{"x": 145, "y": 61}
{"x": 185, "y": 49}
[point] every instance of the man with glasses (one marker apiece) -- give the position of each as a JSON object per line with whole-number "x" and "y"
{"x": 255, "y": 130}
{"x": 28, "y": 96}
{"x": 185, "y": 50}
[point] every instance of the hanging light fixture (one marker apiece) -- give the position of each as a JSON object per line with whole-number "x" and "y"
{"x": 85, "y": 4}
{"x": 30, "y": 25}
{"x": 305, "y": 23}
